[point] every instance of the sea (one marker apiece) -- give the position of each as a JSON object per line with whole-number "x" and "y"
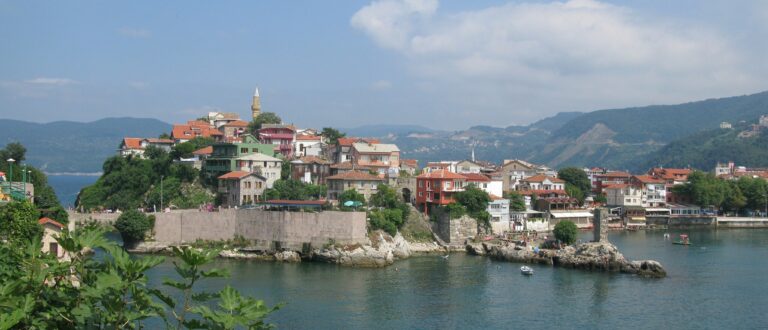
{"x": 719, "y": 282}
{"x": 68, "y": 186}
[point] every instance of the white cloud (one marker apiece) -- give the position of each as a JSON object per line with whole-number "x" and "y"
{"x": 526, "y": 60}
{"x": 381, "y": 85}
{"x": 50, "y": 81}
{"x": 134, "y": 32}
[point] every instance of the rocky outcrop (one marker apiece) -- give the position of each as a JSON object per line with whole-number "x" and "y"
{"x": 599, "y": 256}
{"x": 383, "y": 251}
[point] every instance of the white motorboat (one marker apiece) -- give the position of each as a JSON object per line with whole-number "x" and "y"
{"x": 525, "y": 270}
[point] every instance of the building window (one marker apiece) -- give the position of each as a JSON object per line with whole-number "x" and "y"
{"x": 421, "y": 194}
{"x": 243, "y": 150}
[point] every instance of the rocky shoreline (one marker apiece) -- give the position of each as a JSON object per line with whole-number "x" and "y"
{"x": 594, "y": 256}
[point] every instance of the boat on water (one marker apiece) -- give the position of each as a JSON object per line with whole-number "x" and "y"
{"x": 684, "y": 240}
{"x": 525, "y": 270}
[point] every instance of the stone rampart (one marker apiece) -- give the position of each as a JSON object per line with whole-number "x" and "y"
{"x": 265, "y": 230}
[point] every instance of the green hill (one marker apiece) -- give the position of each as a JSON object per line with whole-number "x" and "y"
{"x": 66, "y": 146}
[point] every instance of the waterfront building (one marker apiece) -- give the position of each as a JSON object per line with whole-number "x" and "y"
{"x": 362, "y": 182}
{"x": 654, "y": 190}
{"x": 437, "y": 188}
{"x": 485, "y": 183}
{"x": 623, "y": 195}
{"x": 310, "y": 169}
{"x": 241, "y": 188}
{"x": 610, "y": 178}
{"x": 672, "y": 177}
{"x": 498, "y": 208}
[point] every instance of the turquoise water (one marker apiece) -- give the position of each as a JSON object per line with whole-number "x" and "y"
{"x": 720, "y": 282}
{"x": 68, "y": 186}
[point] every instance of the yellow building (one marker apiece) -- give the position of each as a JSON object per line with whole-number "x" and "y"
{"x": 52, "y": 228}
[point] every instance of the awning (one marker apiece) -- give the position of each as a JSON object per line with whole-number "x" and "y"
{"x": 560, "y": 215}
{"x": 638, "y": 219}
{"x": 657, "y": 209}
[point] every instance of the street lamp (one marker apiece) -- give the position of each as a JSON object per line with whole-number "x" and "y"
{"x": 24, "y": 180}
{"x": 10, "y": 164}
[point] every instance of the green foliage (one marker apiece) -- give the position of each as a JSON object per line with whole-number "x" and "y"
{"x": 391, "y": 213}
{"x": 575, "y": 192}
{"x": 133, "y": 226}
{"x": 566, "y": 232}
{"x": 18, "y": 222}
{"x": 14, "y": 150}
{"x": 263, "y": 118}
{"x": 704, "y": 189}
{"x": 45, "y": 197}
{"x": 576, "y": 177}
{"x": 516, "y": 201}
{"x": 386, "y": 219}
{"x": 295, "y": 190}
{"x": 185, "y": 149}
{"x": 474, "y": 199}
{"x": 456, "y": 210}
{"x": 111, "y": 291}
{"x": 600, "y": 198}
{"x": 332, "y": 135}
{"x": 132, "y": 182}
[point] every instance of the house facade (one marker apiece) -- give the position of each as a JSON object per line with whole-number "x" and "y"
{"x": 513, "y": 171}
{"x": 623, "y": 195}
{"x": 184, "y": 132}
{"x": 437, "y": 189}
{"x": 223, "y": 157}
{"x": 342, "y": 151}
{"x": 52, "y": 229}
{"x": 241, "y": 188}
{"x": 282, "y": 136}
{"x": 268, "y": 167}
{"x": 362, "y": 182}
{"x": 308, "y": 145}
{"x": 380, "y": 157}
{"x": 311, "y": 169}
{"x": 654, "y": 190}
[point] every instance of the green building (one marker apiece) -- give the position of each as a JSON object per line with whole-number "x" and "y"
{"x": 223, "y": 158}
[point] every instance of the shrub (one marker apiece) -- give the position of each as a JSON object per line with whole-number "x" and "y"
{"x": 566, "y": 232}
{"x": 133, "y": 225}
{"x": 456, "y": 210}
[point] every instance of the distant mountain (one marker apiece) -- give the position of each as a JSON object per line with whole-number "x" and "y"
{"x": 66, "y": 146}
{"x": 705, "y": 149}
{"x": 616, "y": 138}
{"x": 384, "y": 130}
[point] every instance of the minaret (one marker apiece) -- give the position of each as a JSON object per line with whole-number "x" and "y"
{"x": 256, "y": 105}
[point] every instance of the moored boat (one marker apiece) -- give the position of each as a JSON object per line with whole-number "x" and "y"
{"x": 684, "y": 240}
{"x": 525, "y": 270}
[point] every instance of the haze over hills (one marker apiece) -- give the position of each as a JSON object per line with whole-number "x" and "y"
{"x": 66, "y": 146}
{"x": 631, "y": 138}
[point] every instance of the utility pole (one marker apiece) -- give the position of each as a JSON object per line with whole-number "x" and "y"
{"x": 161, "y": 194}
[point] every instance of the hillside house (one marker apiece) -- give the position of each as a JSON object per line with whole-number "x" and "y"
{"x": 310, "y": 169}
{"x": 342, "y": 151}
{"x": 282, "y": 136}
{"x": 362, "y": 182}
{"x": 241, "y": 188}
{"x": 437, "y": 189}
{"x": 268, "y": 167}
{"x": 184, "y": 132}
{"x": 380, "y": 157}
{"x": 52, "y": 229}
{"x": 308, "y": 145}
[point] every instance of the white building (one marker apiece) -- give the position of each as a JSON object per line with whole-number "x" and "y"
{"x": 267, "y": 166}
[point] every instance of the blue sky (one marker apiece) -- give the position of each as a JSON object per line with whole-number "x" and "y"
{"x": 447, "y": 64}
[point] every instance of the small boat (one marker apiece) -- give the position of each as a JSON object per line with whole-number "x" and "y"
{"x": 684, "y": 240}
{"x": 525, "y": 270}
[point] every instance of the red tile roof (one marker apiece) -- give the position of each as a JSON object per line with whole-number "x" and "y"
{"x": 616, "y": 186}
{"x": 46, "y": 220}
{"x": 647, "y": 179}
{"x": 409, "y": 162}
{"x": 542, "y": 177}
{"x": 132, "y": 143}
{"x": 476, "y": 177}
{"x": 235, "y": 175}
{"x": 204, "y": 151}
{"x": 348, "y": 141}
{"x": 307, "y": 138}
{"x": 188, "y": 132}
{"x": 154, "y": 140}
{"x": 355, "y": 175}
{"x": 441, "y": 174}
{"x": 615, "y": 175}
{"x": 237, "y": 123}
{"x": 314, "y": 159}
{"x": 540, "y": 192}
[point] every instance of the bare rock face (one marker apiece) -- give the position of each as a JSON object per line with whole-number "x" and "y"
{"x": 598, "y": 256}
{"x": 288, "y": 256}
{"x": 382, "y": 252}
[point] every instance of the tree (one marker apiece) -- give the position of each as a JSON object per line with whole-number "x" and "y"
{"x": 566, "y": 232}
{"x": 575, "y": 192}
{"x": 14, "y": 150}
{"x": 351, "y": 195}
{"x": 516, "y": 202}
{"x": 576, "y": 177}
{"x": 263, "y": 118}
{"x": 474, "y": 199}
{"x": 332, "y": 135}
{"x": 18, "y": 222}
{"x": 133, "y": 226}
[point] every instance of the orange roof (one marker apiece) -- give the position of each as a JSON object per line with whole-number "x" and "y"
{"x": 237, "y": 123}
{"x": 355, "y": 175}
{"x": 314, "y": 159}
{"x": 198, "y": 123}
{"x": 46, "y": 220}
{"x": 153, "y": 140}
{"x": 647, "y": 179}
{"x": 348, "y": 141}
{"x": 132, "y": 143}
{"x": 187, "y": 131}
{"x": 409, "y": 162}
{"x": 441, "y": 174}
{"x": 204, "y": 151}
{"x": 308, "y": 138}
{"x": 235, "y": 175}
{"x": 476, "y": 177}
{"x": 615, "y": 175}
{"x": 542, "y": 177}
{"x": 495, "y": 198}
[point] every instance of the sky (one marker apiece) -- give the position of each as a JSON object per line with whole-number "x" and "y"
{"x": 440, "y": 64}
